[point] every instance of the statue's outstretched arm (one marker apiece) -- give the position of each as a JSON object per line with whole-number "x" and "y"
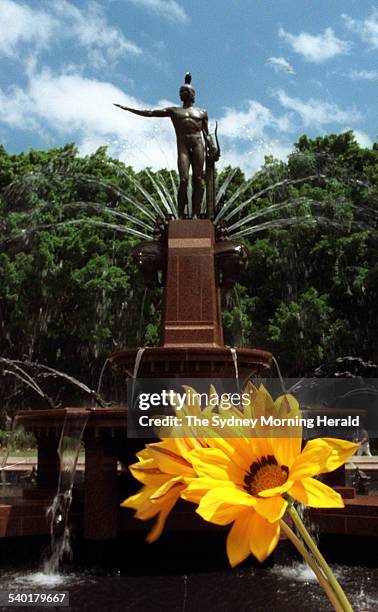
{"x": 160, "y": 112}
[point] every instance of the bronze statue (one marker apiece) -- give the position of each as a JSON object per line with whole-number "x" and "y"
{"x": 190, "y": 124}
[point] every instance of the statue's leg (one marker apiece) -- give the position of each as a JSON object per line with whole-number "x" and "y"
{"x": 183, "y": 163}
{"x": 198, "y": 156}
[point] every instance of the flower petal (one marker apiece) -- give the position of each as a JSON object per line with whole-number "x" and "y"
{"x": 263, "y": 404}
{"x": 248, "y": 395}
{"x": 276, "y": 490}
{"x": 148, "y": 474}
{"x": 143, "y": 454}
{"x": 310, "y": 462}
{"x": 213, "y": 463}
{"x": 340, "y": 452}
{"x": 157, "y": 529}
{"x": 316, "y": 494}
{"x": 198, "y": 487}
{"x": 166, "y": 487}
{"x": 223, "y": 505}
{"x": 238, "y": 539}
{"x": 272, "y": 508}
{"x": 138, "y": 499}
{"x": 168, "y": 460}
{"x": 240, "y": 450}
{"x": 286, "y": 406}
{"x": 263, "y": 536}
{"x": 286, "y": 449}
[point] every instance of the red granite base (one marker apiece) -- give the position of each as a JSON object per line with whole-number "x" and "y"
{"x": 191, "y": 361}
{"x": 359, "y": 517}
{"x": 26, "y": 517}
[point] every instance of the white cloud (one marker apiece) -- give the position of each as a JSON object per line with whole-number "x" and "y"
{"x": 366, "y": 75}
{"x": 76, "y": 106}
{"x": 154, "y": 152}
{"x": 13, "y": 109}
{"x": 20, "y": 24}
{"x": 362, "y": 138}
{"x": 279, "y": 64}
{"x": 91, "y": 30}
{"x": 248, "y": 136}
{"x": 252, "y": 123}
{"x": 316, "y": 112}
{"x": 169, "y": 9}
{"x": 61, "y": 21}
{"x": 366, "y": 28}
{"x": 315, "y": 48}
{"x": 250, "y": 161}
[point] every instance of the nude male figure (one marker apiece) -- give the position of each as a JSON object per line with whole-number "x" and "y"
{"x": 190, "y": 124}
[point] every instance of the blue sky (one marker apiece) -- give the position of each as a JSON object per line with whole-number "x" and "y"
{"x": 267, "y": 71}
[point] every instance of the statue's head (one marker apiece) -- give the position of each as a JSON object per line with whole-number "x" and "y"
{"x": 187, "y": 93}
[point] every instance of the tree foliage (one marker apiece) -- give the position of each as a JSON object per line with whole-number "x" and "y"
{"x": 70, "y": 294}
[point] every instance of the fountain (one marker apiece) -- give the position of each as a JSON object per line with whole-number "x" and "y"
{"x": 193, "y": 259}
{"x": 193, "y": 254}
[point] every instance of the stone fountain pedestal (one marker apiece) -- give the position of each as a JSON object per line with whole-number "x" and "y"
{"x": 192, "y": 333}
{"x": 192, "y": 347}
{"x": 192, "y": 264}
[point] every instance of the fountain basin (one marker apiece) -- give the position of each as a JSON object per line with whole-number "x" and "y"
{"x": 96, "y": 512}
{"x": 192, "y": 361}
{"x": 105, "y": 446}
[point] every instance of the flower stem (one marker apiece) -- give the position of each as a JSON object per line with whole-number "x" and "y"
{"x": 319, "y": 558}
{"x": 313, "y": 565}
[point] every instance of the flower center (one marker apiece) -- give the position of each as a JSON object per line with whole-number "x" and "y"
{"x": 265, "y": 474}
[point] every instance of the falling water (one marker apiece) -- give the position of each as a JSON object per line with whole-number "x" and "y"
{"x": 279, "y": 207}
{"x": 113, "y": 226}
{"x": 344, "y": 224}
{"x": 163, "y": 195}
{"x": 234, "y": 356}
{"x": 58, "y": 374}
{"x": 283, "y": 388}
{"x": 24, "y": 377}
{"x": 164, "y": 205}
{"x": 223, "y": 188}
{"x": 235, "y": 360}
{"x": 229, "y": 204}
{"x": 171, "y": 199}
{"x": 102, "y": 376}
{"x": 238, "y": 302}
{"x": 311, "y": 525}
{"x": 116, "y": 213}
{"x": 141, "y": 316}
{"x": 138, "y": 360}
{"x": 298, "y": 571}
{"x": 68, "y": 451}
{"x": 275, "y": 223}
{"x": 159, "y": 212}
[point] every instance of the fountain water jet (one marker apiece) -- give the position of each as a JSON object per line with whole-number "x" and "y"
{"x": 68, "y": 451}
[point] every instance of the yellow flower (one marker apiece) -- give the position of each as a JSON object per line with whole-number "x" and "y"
{"x": 237, "y": 479}
{"x": 191, "y": 407}
{"x": 165, "y": 470}
{"x": 258, "y": 404}
{"x": 247, "y": 482}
